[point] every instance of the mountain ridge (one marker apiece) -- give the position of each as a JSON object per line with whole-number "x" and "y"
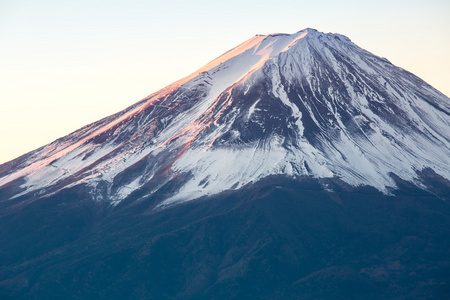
{"x": 337, "y": 105}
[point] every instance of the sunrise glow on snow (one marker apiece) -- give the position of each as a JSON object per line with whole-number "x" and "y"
{"x": 65, "y": 64}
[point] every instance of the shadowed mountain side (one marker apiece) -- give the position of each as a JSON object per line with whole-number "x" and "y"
{"x": 279, "y": 238}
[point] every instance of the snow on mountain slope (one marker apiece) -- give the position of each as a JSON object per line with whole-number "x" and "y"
{"x": 303, "y": 104}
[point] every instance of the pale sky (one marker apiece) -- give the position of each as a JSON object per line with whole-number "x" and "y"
{"x": 64, "y": 64}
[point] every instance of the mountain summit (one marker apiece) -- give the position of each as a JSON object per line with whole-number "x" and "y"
{"x": 294, "y": 166}
{"x": 303, "y": 104}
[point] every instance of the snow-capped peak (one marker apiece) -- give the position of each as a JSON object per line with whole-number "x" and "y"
{"x": 302, "y": 104}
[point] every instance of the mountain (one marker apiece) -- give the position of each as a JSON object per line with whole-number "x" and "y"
{"x": 292, "y": 166}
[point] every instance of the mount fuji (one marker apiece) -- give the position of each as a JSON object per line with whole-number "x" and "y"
{"x": 293, "y": 165}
